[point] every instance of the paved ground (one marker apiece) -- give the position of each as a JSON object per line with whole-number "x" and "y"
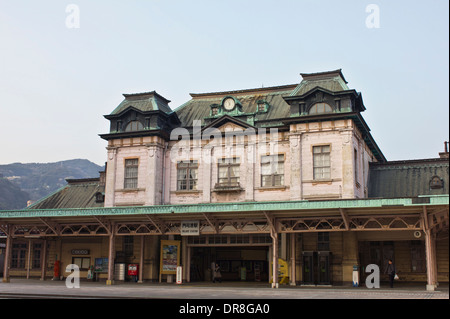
{"x": 23, "y": 288}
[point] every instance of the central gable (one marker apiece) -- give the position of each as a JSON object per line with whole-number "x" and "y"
{"x": 227, "y": 123}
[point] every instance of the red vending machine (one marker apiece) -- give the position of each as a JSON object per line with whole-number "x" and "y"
{"x": 133, "y": 272}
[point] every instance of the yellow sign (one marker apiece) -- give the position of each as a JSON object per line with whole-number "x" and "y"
{"x": 170, "y": 256}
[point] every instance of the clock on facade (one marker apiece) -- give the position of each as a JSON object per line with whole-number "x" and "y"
{"x": 228, "y": 104}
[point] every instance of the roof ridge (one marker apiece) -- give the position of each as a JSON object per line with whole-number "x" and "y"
{"x": 149, "y": 94}
{"x": 269, "y": 88}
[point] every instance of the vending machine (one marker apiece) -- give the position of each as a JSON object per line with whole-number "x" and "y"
{"x": 133, "y": 272}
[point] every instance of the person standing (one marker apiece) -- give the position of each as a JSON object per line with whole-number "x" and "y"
{"x": 391, "y": 271}
{"x": 217, "y": 275}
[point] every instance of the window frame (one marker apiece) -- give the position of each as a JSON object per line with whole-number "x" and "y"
{"x": 131, "y": 182}
{"x": 324, "y": 175}
{"x": 19, "y": 253}
{"x": 83, "y": 260}
{"x": 273, "y": 174}
{"x": 128, "y": 245}
{"x": 323, "y": 241}
{"x": 225, "y": 163}
{"x": 314, "y": 109}
{"x": 190, "y": 182}
{"x": 36, "y": 262}
{"x": 134, "y": 126}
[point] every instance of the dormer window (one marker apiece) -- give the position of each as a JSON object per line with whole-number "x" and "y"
{"x": 214, "y": 111}
{"x": 99, "y": 197}
{"x": 262, "y": 106}
{"x": 436, "y": 183}
{"x": 320, "y": 108}
{"x": 134, "y": 126}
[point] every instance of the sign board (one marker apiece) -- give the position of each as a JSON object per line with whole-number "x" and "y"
{"x": 170, "y": 256}
{"x": 80, "y": 251}
{"x": 179, "y": 275}
{"x": 190, "y": 228}
{"x": 101, "y": 265}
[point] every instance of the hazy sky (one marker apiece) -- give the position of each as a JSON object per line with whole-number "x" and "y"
{"x": 57, "y": 82}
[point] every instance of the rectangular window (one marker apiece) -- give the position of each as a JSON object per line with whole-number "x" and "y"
{"x": 321, "y": 162}
{"x": 131, "y": 173}
{"x": 18, "y": 255}
{"x": 356, "y": 165}
{"x": 187, "y": 175}
{"x": 229, "y": 172}
{"x": 323, "y": 241}
{"x": 128, "y": 243}
{"x": 37, "y": 249}
{"x": 82, "y": 262}
{"x": 272, "y": 170}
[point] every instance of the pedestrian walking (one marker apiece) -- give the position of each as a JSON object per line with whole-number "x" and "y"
{"x": 392, "y": 272}
{"x": 217, "y": 275}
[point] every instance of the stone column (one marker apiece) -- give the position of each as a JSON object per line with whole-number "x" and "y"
{"x": 250, "y": 162}
{"x": 153, "y": 171}
{"x": 295, "y": 167}
{"x": 206, "y": 164}
{"x": 348, "y": 169}
{"x": 110, "y": 183}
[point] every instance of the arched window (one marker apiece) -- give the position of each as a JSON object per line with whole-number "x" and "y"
{"x": 320, "y": 108}
{"x": 134, "y": 126}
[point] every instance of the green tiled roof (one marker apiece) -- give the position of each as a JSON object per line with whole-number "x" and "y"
{"x": 145, "y": 102}
{"x": 332, "y": 81}
{"x": 76, "y": 194}
{"x": 408, "y": 178}
{"x": 198, "y": 108}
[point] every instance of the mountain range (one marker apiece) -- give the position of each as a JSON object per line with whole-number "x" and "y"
{"x": 20, "y": 182}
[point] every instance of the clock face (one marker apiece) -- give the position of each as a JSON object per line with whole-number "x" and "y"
{"x": 228, "y": 104}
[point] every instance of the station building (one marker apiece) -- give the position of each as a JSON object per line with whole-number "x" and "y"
{"x": 285, "y": 178}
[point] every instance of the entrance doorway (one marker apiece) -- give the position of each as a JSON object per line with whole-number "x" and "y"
{"x": 316, "y": 268}
{"x": 375, "y": 252}
{"x": 237, "y": 263}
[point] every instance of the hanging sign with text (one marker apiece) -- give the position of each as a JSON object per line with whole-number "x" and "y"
{"x": 190, "y": 228}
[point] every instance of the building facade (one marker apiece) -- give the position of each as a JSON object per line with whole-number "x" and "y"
{"x": 284, "y": 179}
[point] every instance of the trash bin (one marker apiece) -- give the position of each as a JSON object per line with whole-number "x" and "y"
{"x": 355, "y": 276}
{"x": 119, "y": 272}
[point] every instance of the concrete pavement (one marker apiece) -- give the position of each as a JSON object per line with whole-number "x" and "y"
{"x": 23, "y": 288}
